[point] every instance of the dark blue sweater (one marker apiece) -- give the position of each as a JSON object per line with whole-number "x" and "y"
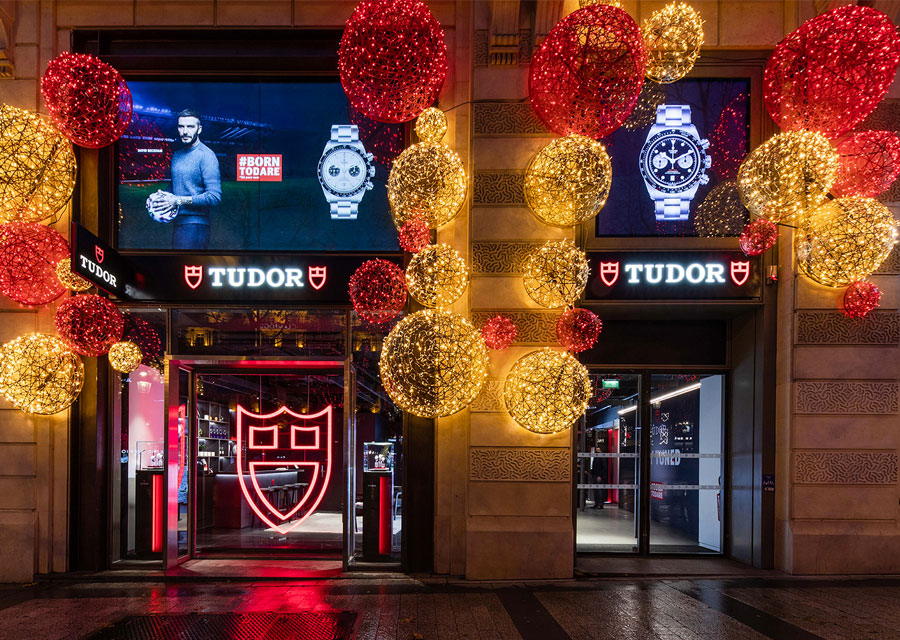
{"x": 195, "y": 173}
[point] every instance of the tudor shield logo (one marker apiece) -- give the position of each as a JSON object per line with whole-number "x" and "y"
{"x": 317, "y": 277}
{"x": 193, "y": 275}
{"x": 98, "y": 253}
{"x": 609, "y": 273}
{"x": 740, "y": 271}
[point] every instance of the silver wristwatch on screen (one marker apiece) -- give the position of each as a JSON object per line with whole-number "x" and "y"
{"x": 673, "y": 162}
{"x": 345, "y": 171}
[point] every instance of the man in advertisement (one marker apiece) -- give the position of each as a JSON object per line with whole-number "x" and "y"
{"x": 196, "y": 187}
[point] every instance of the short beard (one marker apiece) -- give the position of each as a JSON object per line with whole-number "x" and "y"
{"x": 192, "y": 140}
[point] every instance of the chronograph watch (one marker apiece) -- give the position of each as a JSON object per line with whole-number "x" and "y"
{"x": 673, "y": 162}
{"x": 345, "y": 171}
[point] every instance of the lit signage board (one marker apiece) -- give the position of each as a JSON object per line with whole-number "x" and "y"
{"x": 673, "y": 275}
{"x": 610, "y": 384}
{"x": 103, "y": 266}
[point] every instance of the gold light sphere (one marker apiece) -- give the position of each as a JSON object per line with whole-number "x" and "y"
{"x": 427, "y": 180}
{"x": 69, "y": 279}
{"x": 431, "y": 125}
{"x": 556, "y": 274}
{"x": 788, "y": 176}
{"x": 437, "y": 275}
{"x": 40, "y": 374}
{"x": 672, "y": 36}
{"x": 125, "y": 356}
{"x": 546, "y": 391}
{"x": 721, "y": 213}
{"x": 433, "y": 363}
{"x": 589, "y": 3}
{"x": 568, "y": 181}
{"x": 846, "y": 240}
{"x": 37, "y": 167}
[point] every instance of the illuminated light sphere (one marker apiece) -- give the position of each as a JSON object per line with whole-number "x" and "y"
{"x": 845, "y": 240}
{"x": 40, "y": 374}
{"x": 29, "y": 252}
{"x": 384, "y": 140}
{"x": 644, "y": 113}
{"x": 587, "y": 74}
{"x": 546, "y": 391}
{"x": 125, "y": 356}
{"x": 437, "y": 276}
{"x": 728, "y": 138}
{"x": 721, "y": 213}
{"x": 433, "y": 363}
{"x": 142, "y": 333}
{"x": 556, "y": 274}
{"x": 392, "y": 59}
{"x": 577, "y": 329}
{"x": 788, "y": 176}
{"x": 89, "y": 323}
{"x": 499, "y": 332}
{"x": 68, "y": 279}
{"x": 431, "y": 125}
{"x": 378, "y": 290}
{"x": 37, "y": 167}
{"x": 869, "y": 163}
{"x": 589, "y": 3}
{"x": 87, "y": 99}
{"x": 672, "y": 36}
{"x": 860, "y": 298}
{"x": 831, "y": 72}
{"x": 428, "y": 181}
{"x": 414, "y": 235}
{"x": 568, "y": 181}
{"x": 758, "y": 237}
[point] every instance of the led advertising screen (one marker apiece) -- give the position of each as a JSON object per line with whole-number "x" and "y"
{"x": 680, "y": 142}
{"x": 253, "y": 166}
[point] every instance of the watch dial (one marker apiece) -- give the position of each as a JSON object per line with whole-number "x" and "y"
{"x": 671, "y": 162}
{"x": 344, "y": 170}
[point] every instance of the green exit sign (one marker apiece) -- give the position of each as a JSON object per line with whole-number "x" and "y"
{"x": 610, "y": 384}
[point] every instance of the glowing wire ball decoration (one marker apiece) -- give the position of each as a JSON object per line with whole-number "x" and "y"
{"x": 68, "y": 279}
{"x": 378, "y": 291}
{"x": 431, "y": 125}
{"x": 577, "y": 330}
{"x": 427, "y": 180}
{"x": 845, "y": 240}
{"x": 728, "y": 139}
{"x": 589, "y": 3}
{"x": 392, "y": 59}
{"x": 437, "y": 276}
{"x": 142, "y": 333}
{"x": 672, "y": 37}
{"x": 831, "y": 72}
{"x": 29, "y": 252}
{"x": 644, "y": 113}
{"x": 587, "y": 74}
{"x": 89, "y": 324}
{"x": 860, "y": 298}
{"x": 433, "y": 363}
{"x": 39, "y": 374}
{"x": 721, "y": 213}
{"x": 568, "y": 181}
{"x": 37, "y": 167}
{"x": 546, "y": 391}
{"x": 758, "y": 237}
{"x": 788, "y": 176}
{"x": 556, "y": 274}
{"x": 383, "y": 139}
{"x": 414, "y": 235}
{"x": 125, "y": 356}
{"x": 869, "y": 163}
{"x": 499, "y": 332}
{"x": 87, "y": 99}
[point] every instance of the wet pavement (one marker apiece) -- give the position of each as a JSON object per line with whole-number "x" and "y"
{"x": 388, "y": 606}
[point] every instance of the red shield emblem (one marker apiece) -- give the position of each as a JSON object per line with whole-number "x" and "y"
{"x": 609, "y": 273}
{"x": 193, "y": 275}
{"x": 317, "y": 277}
{"x": 98, "y": 252}
{"x": 292, "y": 441}
{"x": 740, "y": 271}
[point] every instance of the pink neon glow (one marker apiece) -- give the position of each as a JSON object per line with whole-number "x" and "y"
{"x": 315, "y": 431}
{"x": 193, "y": 275}
{"x": 317, "y": 276}
{"x": 271, "y": 432}
{"x": 310, "y": 491}
{"x": 156, "y": 502}
{"x": 740, "y": 271}
{"x": 609, "y": 273}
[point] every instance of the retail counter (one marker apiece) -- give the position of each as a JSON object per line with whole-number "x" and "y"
{"x": 231, "y": 510}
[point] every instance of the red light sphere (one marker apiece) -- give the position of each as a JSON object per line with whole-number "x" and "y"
{"x": 88, "y": 100}
{"x": 577, "y": 329}
{"x": 860, "y": 298}
{"x": 587, "y": 74}
{"x": 831, "y": 72}
{"x": 29, "y": 252}
{"x": 142, "y": 333}
{"x": 499, "y": 332}
{"x": 758, "y": 237}
{"x": 728, "y": 139}
{"x": 415, "y": 235}
{"x": 870, "y": 162}
{"x": 378, "y": 290}
{"x": 392, "y": 59}
{"x": 89, "y": 324}
{"x": 383, "y": 139}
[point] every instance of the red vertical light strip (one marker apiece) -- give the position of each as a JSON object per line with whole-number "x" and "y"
{"x": 156, "y": 505}
{"x": 384, "y": 515}
{"x": 614, "y": 464}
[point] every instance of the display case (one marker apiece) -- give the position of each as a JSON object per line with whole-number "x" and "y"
{"x": 150, "y": 454}
{"x": 378, "y": 456}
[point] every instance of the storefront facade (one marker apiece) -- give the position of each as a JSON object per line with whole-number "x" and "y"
{"x": 737, "y": 413}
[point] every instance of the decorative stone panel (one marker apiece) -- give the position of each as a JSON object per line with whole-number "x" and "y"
{"x": 481, "y": 56}
{"x": 535, "y": 327}
{"x": 507, "y": 119}
{"x": 845, "y": 467}
{"x": 500, "y": 258}
{"x": 833, "y": 327}
{"x": 490, "y": 400}
{"x": 498, "y": 188}
{"x": 846, "y": 398}
{"x": 891, "y": 265}
{"x": 519, "y": 464}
